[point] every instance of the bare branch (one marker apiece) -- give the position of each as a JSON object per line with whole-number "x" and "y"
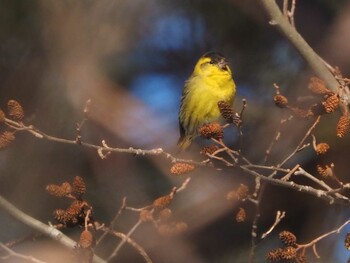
{"x": 279, "y": 216}
{"x": 315, "y": 62}
{"x": 316, "y": 240}
{"x": 49, "y": 231}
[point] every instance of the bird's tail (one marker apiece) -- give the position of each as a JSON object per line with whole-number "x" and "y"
{"x": 184, "y": 142}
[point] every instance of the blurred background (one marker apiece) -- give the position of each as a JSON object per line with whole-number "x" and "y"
{"x": 131, "y": 59}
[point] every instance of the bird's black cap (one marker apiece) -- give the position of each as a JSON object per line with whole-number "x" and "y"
{"x": 216, "y": 57}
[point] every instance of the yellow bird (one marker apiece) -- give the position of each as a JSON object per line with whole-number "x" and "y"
{"x": 210, "y": 82}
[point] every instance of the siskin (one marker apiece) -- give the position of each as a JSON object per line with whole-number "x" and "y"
{"x": 210, "y": 82}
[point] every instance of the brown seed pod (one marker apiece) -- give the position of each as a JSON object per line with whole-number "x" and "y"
{"x": 15, "y": 110}
{"x": 59, "y": 190}
{"x": 146, "y": 215}
{"x": 163, "y": 201}
{"x": 61, "y": 216}
{"x": 226, "y": 111}
{"x": 79, "y": 187}
{"x": 317, "y": 86}
{"x": 331, "y": 103}
{"x": 322, "y": 148}
{"x": 75, "y": 210}
{"x": 325, "y": 171}
{"x": 274, "y": 255}
{"x": 240, "y": 193}
{"x": 181, "y": 168}
{"x": 211, "y": 130}
{"x": 280, "y": 101}
{"x": 343, "y": 126}
{"x": 209, "y": 149}
{"x": 6, "y": 138}
{"x": 287, "y": 238}
{"x": 289, "y": 253}
{"x": 241, "y": 215}
{"x": 347, "y": 241}
{"x": 86, "y": 239}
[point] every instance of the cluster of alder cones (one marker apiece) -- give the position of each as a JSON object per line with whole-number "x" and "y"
{"x": 329, "y": 104}
{"x": 239, "y": 194}
{"x": 160, "y": 215}
{"x": 79, "y": 213}
{"x": 14, "y": 112}
{"x": 289, "y": 252}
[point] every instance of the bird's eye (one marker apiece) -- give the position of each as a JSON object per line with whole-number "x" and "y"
{"x": 211, "y": 62}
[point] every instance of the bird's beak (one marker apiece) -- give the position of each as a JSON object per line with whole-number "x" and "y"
{"x": 222, "y": 64}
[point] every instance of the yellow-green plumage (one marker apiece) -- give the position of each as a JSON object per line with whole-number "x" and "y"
{"x": 210, "y": 82}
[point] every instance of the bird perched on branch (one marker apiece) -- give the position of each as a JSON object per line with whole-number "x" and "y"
{"x": 210, "y": 82}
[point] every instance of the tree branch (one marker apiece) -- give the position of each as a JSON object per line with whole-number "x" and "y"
{"x": 314, "y": 60}
{"x": 47, "y": 230}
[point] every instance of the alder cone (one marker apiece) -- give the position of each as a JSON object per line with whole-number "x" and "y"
{"x": 15, "y": 110}
{"x": 59, "y": 190}
{"x": 280, "y": 101}
{"x": 322, "y": 148}
{"x": 79, "y": 187}
{"x": 181, "y": 168}
{"x": 274, "y": 255}
{"x": 86, "y": 239}
{"x": 211, "y": 130}
{"x": 241, "y": 215}
{"x": 288, "y": 238}
{"x": 331, "y": 103}
{"x": 163, "y": 201}
{"x": 343, "y": 126}
{"x": 209, "y": 149}
{"x": 226, "y": 111}
{"x": 6, "y": 138}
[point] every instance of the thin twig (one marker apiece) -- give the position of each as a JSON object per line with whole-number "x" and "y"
{"x": 321, "y": 183}
{"x": 300, "y": 145}
{"x": 301, "y": 188}
{"x": 290, "y": 173}
{"x": 80, "y": 125}
{"x": 124, "y": 240}
{"x": 114, "y": 220}
{"x": 279, "y": 216}
{"x": 184, "y": 185}
{"x": 19, "y": 126}
{"x": 130, "y": 241}
{"x": 291, "y": 13}
{"x": 264, "y": 167}
{"x": 239, "y": 127}
{"x": 316, "y": 240}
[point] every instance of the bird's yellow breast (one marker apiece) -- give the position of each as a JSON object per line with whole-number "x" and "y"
{"x": 203, "y": 95}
